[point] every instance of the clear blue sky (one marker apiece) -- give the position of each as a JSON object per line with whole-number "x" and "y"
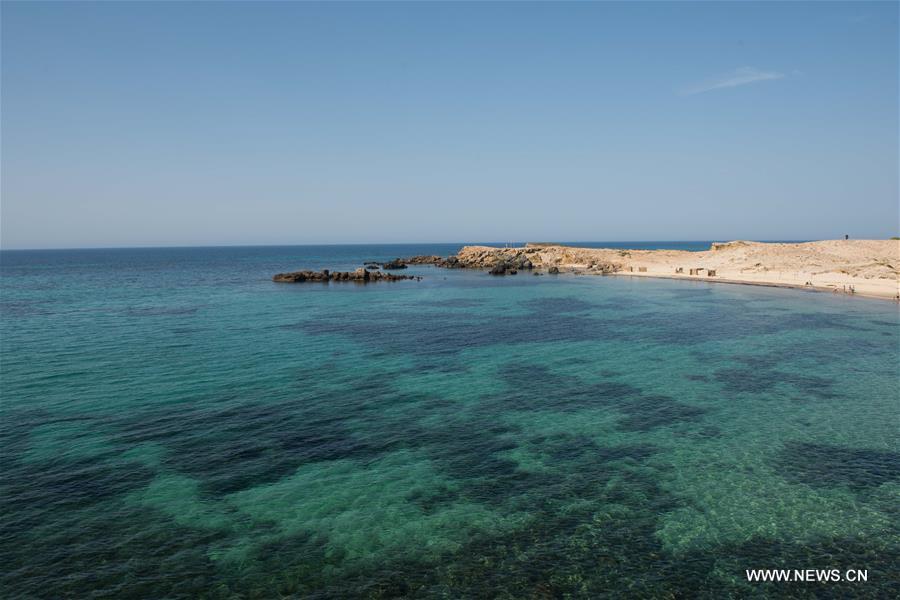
{"x": 228, "y": 123}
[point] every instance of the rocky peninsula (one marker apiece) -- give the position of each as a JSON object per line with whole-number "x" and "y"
{"x": 862, "y": 267}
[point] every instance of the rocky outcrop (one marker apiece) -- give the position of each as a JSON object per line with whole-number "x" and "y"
{"x": 360, "y": 275}
{"x": 423, "y": 260}
{"x": 539, "y": 256}
{"x": 451, "y": 262}
{"x": 509, "y": 261}
{"x": 481, "y": 257}
{"x": 503, "y": 269}
{"x": 511, "y": 265}
{"x": 397, "y": 263}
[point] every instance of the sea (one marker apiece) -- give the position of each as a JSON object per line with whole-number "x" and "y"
{"x": 173, "y": 424}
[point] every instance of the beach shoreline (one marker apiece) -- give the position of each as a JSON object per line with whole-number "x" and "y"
{"x": 864, "y": 268}
{"x": 770, "y": 284}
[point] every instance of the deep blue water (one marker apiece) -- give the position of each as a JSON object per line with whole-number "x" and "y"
{"x": 175, "y": 425}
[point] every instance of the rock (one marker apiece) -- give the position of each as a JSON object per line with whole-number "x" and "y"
{"x": 301, "y": 276}
{"x": 397, "y": 263}
{"x": 451, "y": 262}
{"x": 553, "y": 270}
{"x": 423, "y": 260}
{"x": 359, "y": 275}
{"x": 499, "y": 269}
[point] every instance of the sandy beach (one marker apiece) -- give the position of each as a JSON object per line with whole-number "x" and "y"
{"x": 869, "y": 268}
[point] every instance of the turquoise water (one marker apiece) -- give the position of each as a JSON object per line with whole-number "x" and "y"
{"x": 176, "y": 425}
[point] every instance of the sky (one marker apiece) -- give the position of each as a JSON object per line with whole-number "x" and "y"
{"x": 158, "y": 124}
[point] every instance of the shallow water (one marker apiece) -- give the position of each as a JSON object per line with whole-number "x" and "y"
{"x": 174, "y": 424}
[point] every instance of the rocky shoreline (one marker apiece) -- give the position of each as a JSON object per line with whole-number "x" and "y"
{"x": 858, "y": 267}
{"x": 496, "y": 261}
{"x": 509, "y": 261}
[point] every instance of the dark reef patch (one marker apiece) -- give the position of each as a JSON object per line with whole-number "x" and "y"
{"x": 243, "y": 445}
{"x": 64, "y": 482}
{"x": 825, "y": 465}
{"x": 469, "y": 449}
{"x": 143, "y": 555}
{"x": 430, "y": 500}
{"x": 568, "y": 448}
{"x": 563, "y": 553}
{"x": 32, "y": 489}
{"x": 652, "y": 411}
{"x": 533, "y": 386}
{"x": 759, "y": 376}
{"x": 440, "y": 333}
{"x": 565, "y": 319}
{"x": 720, "y": 321}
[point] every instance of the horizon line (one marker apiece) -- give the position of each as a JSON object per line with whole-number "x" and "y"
{"x": 464, "y": 243}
